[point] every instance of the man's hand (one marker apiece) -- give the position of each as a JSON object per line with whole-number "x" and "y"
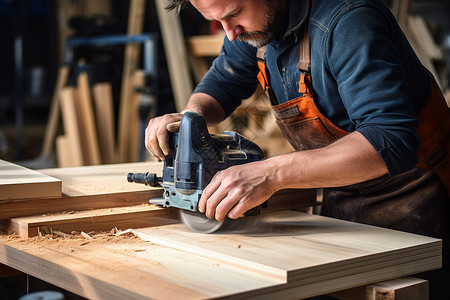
{"x": 157, "y": 134}
{"x": 235, "y": 190}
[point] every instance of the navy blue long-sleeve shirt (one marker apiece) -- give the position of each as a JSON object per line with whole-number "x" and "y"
{"x": 365, "y": 75}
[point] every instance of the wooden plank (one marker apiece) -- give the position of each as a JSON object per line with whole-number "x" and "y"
{"x": 88, "y": 187}
{"x": 176, "y": 55}
{"x": 126, "y": 268}
{"x": 98, "y": 7}
{"x": 70, "y": 123}
{"x": 145, "y": 215}
{"x": 104, "y": 109}
{"x": 63, "y": 155}
{"x": 206, "y": 45}
{"x": 54, "y": 115}
{"x": 132, "y": 52}
{"x": 320, "y": 253}
{"x": 134, "y": 133}
{"x": 17, "y": 182}
{"x": 200, "y": 49}
{"x": 405, "y": 288}
{"x": 86, "y": 121}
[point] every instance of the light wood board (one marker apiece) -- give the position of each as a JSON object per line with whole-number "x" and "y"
{"x": 132, "y": 52}
{"x": 294, "y": 246}
{"x": 126, "y": 269}
{"x": 72, "y": 141}
{"x": 176, "y": 55}
{"x": 104, "y": 109}
{"x": 104, "y": 186}
{"x": 86, "y": 121}
{"x": 405, "y": 288}
{"x": 88, "y": 187}
{"x": 54, "y": 114}
{"x": 17, "y": 182}
{"x": 317, "y": 255}
{"x": 145, "y": 215}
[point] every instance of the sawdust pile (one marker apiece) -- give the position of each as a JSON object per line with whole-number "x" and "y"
{"x": 47, "y": 237}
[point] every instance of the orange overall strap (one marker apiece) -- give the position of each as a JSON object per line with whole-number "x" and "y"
{"x": 263, "y": 75}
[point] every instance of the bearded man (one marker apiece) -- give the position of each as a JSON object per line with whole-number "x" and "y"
{"x": 368, "y": 122}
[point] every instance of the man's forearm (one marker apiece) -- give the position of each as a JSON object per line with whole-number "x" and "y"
{"x": 207, "y": 106}
{"x": 351, "y": 159}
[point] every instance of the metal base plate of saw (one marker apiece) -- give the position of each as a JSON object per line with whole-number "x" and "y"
{"x": 195, "y": 157}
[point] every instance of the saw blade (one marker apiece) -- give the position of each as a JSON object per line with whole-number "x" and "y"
{"x": 199, "y": 222}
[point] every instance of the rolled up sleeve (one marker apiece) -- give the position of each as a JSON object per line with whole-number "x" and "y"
{"x": 373, "y": 86}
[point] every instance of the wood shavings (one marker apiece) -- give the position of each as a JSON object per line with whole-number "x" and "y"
{"x": 124, "y": 232}
{"x": 86, "y": 236}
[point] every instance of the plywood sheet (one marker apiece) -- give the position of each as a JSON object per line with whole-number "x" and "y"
{"x": 317, "y": 255}
{"x": 88, "y": 187}
{"x": 17, "y": 182}
{"x": 295, "y": 246}
{"x": 103, "y": 179}
{"x": 126, "y": 268}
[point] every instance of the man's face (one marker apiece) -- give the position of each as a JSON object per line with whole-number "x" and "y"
{"x": 253, "y": 21}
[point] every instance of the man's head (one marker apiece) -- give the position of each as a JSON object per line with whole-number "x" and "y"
{"x": 256, "y": 22}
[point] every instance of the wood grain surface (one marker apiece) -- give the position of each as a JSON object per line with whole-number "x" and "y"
{"x": 284, "y": 255}
{"x": 89, "y": 187}
{"x": 17, "y": 182}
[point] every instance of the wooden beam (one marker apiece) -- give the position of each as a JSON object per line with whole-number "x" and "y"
{"x": 206, "y": 45}
{"x": 18, "y": 183}
{"x": 92, "y": 220}
{"x": 134, "y": 133}
{"x": 89, "y": 187}
{"x": 104, "y": 111}
{"x": 63, "y": 156}
{"x": 132, "y": 52}
{"x": 176, "y": 55}
{"x": 405, "y": 288}
{"x": 86, "y": 121}
{"x": 54, "y": 115}
{"x": 68, "y": 109}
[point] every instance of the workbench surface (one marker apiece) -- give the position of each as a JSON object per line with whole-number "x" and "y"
{"x": 284, "y": 254}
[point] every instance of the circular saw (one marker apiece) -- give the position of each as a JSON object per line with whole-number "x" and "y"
{"x": 194, "y": 157}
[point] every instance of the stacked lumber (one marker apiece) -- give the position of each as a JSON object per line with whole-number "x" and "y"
{"x": 17, "y": 183}
{"x": 98, "y": 198}
{"x": 128, "y": 128}
{"x": 84, "y": 126}
{"x": 88, "y": 125}
{"x": 92, "y": 198}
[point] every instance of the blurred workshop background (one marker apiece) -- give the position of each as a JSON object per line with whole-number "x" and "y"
{"x": 128, "y": 61}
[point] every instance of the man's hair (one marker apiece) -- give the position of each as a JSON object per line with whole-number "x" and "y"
{"x": 176, "y": 5}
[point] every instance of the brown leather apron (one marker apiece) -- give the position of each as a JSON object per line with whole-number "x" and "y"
{"x": 416, "y": 201}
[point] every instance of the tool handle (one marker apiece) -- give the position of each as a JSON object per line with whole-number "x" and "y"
{"x": 145, "y": 178}
{"x": 173, "y": 127}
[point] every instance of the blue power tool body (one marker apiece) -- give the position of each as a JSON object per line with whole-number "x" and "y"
{"x": 195, "y": 157}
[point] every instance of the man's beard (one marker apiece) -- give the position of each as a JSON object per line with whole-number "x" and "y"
{"x": 272, "y": 23}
